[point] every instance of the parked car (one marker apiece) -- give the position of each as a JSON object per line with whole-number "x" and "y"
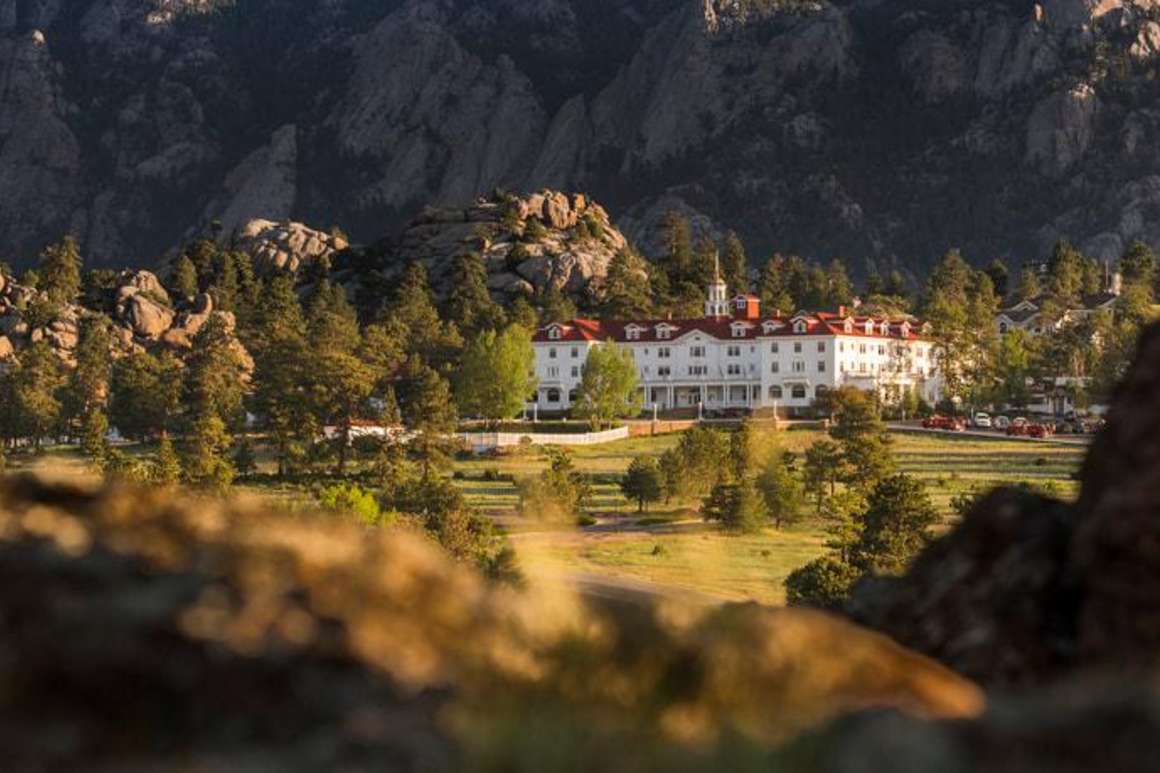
{"x": 948, "y": 423}
{"x": 1001, "y": 423}
{"x": 1040, "y": 431}
{"x": 982, "y": 420}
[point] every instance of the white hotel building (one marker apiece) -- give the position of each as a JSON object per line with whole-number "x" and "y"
{"x": 732, "y": 358}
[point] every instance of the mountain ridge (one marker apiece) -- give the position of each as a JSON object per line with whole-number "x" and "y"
{"x": 875, "y": 129}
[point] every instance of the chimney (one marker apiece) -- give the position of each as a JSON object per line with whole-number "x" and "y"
{"x": 842, "y": 312}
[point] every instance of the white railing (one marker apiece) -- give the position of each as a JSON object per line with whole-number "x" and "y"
{"x": 486, "y": 441}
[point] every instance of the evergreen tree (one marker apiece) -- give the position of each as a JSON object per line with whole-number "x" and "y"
{"x": 146, "y": 394}
{"x": 642, "y": 482}
{"x": 626, "y": 288}
{"x": 1029, "y": 287}
{"x": 94, "y": 430}
{"x": 183, "y": 281}
{"x": 207, "y": 444}
{"x": 741, "y": 451}
{"x": 823, "y": 583}
{"x": 416, "y": 322}
{"x": 608, "y": 387}
{"x": 736, "y": 506}
{"x": 37, "y": 385}
{"x": 429, "y": 413}
{"x": 1000, "y": 277}
{"x": 774, "y": 288}
{"x": 469, "y": 304}
{"x": 862, "y": 436}
{"x": 88, "y": 385}
{"x": 677, "y": 238}
{"x": 555, "y": 306}
{"x": 735, "y": 264}
{"x": 341, "y": 380}
{"x": 60, "y": 271}
{"x": 496, "y": 375}
{"x": 781, "y": 492}
{"x": 1065, "y": 271}
{"x": 823, "y": 469}
{"x": 166, "y": 464}
{"x": 897, "y": 523}
{"x": 1138, "y": 266}
{"x": 225, "y": 287}
{"x": 840, "y": 290}
{"x": 522, "y": 313}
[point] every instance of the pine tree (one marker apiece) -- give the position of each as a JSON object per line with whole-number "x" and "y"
{"x": 60, "y": 271}
{"x": 1000, "y": 277}
{"x": 413, "y": 314}
{"x": 677, "y": 238}
{"x": 1065, "y": 270}
{"x": 735, "y": 264}
{"x": 167, "y": 464}
{"x": 206, "y": 463}
{"x": 224, "y": 288}
{"x": 429, "y": 412}
{"x": 897, "y": 523}
{"x": 522, "y": 313}
{"x": 469, "y": 304}
{"x": 642, "y": 482}
{"x": 773, "y": 287}
{"x": 37, "y": 385}
{"x": 862, "y": 436}
{"x": 146, "y": 394}
{"x": 781, "y": 492}
{"x": 626, "y": 289}
{"x": 840, "y": 290}
{"x": 555, "y": 306}
{"x": 183, "y": 282}
{"x": 88, "y": 387}
{"x": 93, "y": 435}
{"x": 823, "y": 469}
{"x": 1029, "y": 287}
{"x": 341, "y": 380}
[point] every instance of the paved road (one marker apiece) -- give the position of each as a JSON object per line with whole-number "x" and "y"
{"x": 1066, "y": 440}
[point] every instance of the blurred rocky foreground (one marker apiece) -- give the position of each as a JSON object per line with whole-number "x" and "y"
{"x": 141, "y": 629}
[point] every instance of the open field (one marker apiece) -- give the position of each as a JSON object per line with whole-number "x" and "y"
{"x": 670, "y": 546}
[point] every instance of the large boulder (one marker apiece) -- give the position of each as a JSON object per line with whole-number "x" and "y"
{"x": 286, "y": 246}
{"x": 146, "y": 317}
{"x": 547, "y": 239}
{"x": 1026, "y": 590}
{"x": 151, "y": 630}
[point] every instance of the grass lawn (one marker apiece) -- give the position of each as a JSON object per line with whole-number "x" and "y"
{"x": 670, "y": 546}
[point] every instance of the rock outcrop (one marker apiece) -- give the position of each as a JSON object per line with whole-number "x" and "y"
{"x": 862, "y": 128}
{"x": 144, "y": 318}
{"x": 151, "y": 630}
{"x": 528, "y": 243}
{"x": 285, "y": 246}
{"x": 1027, "y": 590}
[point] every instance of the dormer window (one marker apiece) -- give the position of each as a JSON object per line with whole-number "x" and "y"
{"x": 848, "y": 326}
{"x": 738, "y": 330}
{"x": 664, "y": 331}
{"x": 904, "y": 329}
{"x": 632, "y": 332}
{"x": 799, "y": 326}
{"x": 554, "y": 332}
{"x": 884, "y": 328}
{"x": 869, "y": 327}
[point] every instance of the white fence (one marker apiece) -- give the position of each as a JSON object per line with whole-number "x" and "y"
{"x": 486, "y": 441}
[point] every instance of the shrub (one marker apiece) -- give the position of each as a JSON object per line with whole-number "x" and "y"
{"x": 349, "y": 498}
{"x": 824, "y": 583}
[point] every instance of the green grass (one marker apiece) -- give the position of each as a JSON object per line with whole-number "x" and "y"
{"x": 669, "y": 545}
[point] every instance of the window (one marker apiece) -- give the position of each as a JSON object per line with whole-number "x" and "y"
{"x": 697, "y": 351}
{"x": 797, "y": 348}
{"x": 734, "y": 351}
{"x": 553, "y": 395}
{"x": 821, "y": 346}
{"x": 775, "y": 393}
{"x": 738, "y": 331}
{"x": 554, "y": 333}
{"x": 799, "y": 326}
{"x": 553, "y": 372}
{"x": 861, "y": 367}
{"x": 775, "y": 367}
{"x": 799, "y": 366}
{"x": 821, "y": 390}
{"x": 734, "y": 369}
{"x": 773, "y": 348}
{"x": 861, "y": 348}
{"x": 664, "y": 353}
{"x": 573, "y": 395}
{"x": 575, "y": 372}
{"x": 881, "y": 349}
{"x": 698, "y": 370}
{"x": 664, "y": 371}
{"x": 841, "y": 346}
{"x": 799, "y": 392}
{"x": 821, "y": 366}
{"x": 1002, "y": 327}
{"x": 575, "y": 352}
{"x": 552, "y": 353}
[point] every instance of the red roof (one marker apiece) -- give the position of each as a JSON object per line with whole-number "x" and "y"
{"x": 819, "y": 323}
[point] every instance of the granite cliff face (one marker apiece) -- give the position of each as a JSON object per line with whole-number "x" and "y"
{"x": 877, "y": 129}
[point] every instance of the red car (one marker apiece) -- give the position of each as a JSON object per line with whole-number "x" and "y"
{"x": 948, "y": 423}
